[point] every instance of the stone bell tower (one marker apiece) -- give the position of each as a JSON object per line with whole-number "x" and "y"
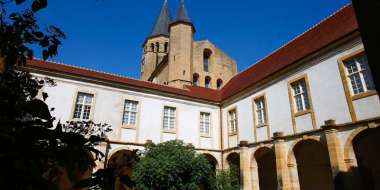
{"x": 156, "y": 46}
{"x": 181, "y": 48}
{"x": 172, "y": 57}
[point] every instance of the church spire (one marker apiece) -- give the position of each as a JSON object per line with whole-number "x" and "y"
{"x": 162, "y": 24}
{"x": 182, "y": 14}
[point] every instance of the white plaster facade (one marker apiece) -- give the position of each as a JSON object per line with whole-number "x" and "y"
{"x": 327, "y": 95}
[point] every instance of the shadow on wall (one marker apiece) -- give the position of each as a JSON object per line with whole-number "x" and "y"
{"x": 366, "y": 175}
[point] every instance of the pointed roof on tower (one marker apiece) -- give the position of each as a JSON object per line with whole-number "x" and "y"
{"x": 182, "y": 14}
{"x": 162, "y": 24}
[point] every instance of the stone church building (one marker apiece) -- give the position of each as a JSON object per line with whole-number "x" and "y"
{"x": 172, "y": 57}
{"x": 304, "y": 117}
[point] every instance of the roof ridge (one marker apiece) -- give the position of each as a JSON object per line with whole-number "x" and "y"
{"x": 87, "y": 69}
{"x": 201, "y": 94}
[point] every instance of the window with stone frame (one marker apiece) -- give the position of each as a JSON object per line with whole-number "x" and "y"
{"x": 260, "y": 109}
{"x": 300, "y": 95}
{"x": 130, "y": 113}
{"x": 233, "y": 123}
{"x": 83, "y": 106}
{"x": 359, "y": 74}
{"x": 169, "y": 122}
{"x": 205, "y": 122}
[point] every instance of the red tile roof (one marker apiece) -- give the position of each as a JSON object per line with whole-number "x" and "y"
{"x": 328, "y": 31}
{"x": 190, "y": 92}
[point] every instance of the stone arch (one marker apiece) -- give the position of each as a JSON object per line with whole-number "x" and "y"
{"x": 208, "y": 82}
{"x": 196, "y": 79}
{"x": 349, "y": 154}
{"x": 253, "y": 160}
{"x": 232, "y": 162}
{"x": 263, "y": 168}
{"x": 366, "y": 145}
{"x": 219, "y": 83}
{"x": 212, "y": 160}
{"x": 309, "y": 165}
{"x": 291, "y": 158}
{"x": 206, "y": 60}
{"x": 229, "y": 157}
{"x": 166, "y": 47}
{"x": 152, "y": 47}
{"x": 157, "y": 46}
{"x": 122, "y": 161}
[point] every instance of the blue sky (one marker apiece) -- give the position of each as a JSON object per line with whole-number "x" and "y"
{"x": 107, "y": 35}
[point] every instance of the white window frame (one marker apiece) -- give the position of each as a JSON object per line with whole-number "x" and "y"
{"x": 362, "y": 73}
{"x": 130, "y": 110}
{"x": 300, "y": 96}
{"x": 233, "y": 122}
{"x": 85, "y": 106}
{"x": 169, "y": 116}
{"x": 205, "y": 124}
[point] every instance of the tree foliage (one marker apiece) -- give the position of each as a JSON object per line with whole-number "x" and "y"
{"x": 20, "y": 30}
{"x": 38, "y": 153}
{"x": 228, "y": 179}
{"x": 171, "y": 165}
{"x": 35, "y": 151}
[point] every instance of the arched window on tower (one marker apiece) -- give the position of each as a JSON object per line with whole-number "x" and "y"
{"x": 166, "y": 47}
{"x": 208, "y": 82}
{"x": 152, "y": 47}
{"x": 196, "y": 79}
{"x": 219, "y": 83}
{"x": 206, "y": 60}
{"x": 157, "y": 47}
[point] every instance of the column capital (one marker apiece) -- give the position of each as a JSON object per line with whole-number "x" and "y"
{"x": 329, "y": 124}
{"x": 278, "y": 136}
{"x": 243, "y": 144}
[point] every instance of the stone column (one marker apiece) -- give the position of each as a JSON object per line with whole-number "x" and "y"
{"x": 245, "y": 173}
{"x": 342, "y": 178}
{"x": 334, "y": 148}
{"x": 283, "y": 177}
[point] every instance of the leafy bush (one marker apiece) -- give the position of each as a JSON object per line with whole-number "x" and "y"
{"x": 172, "y": 165}
{"x": 228, "y": 179}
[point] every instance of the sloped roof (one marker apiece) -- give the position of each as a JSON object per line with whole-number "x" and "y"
{"x": 330, "y": 30}
{"x": 161, "y": 26}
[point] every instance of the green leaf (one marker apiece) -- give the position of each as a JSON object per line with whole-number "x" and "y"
{"x": 19, "y": 1}
{"x": 44, "y": 42}
{"x": 38, "y": 34}
{"x": 38, "y": 5}
{"x": 45, "y": 54}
